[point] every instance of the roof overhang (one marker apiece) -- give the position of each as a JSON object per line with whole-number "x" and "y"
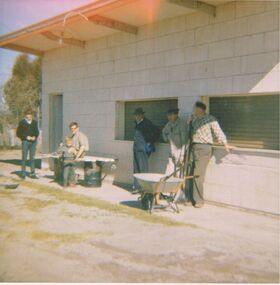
{"x": 98, "y": 19}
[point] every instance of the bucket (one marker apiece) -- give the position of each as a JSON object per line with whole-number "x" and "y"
{"x": 58, "y": 169}
{"x": 93, "y": 174}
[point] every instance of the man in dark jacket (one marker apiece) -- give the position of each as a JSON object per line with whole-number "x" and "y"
{"x": 146, "y": 134}
{"x": 28, "y": 132}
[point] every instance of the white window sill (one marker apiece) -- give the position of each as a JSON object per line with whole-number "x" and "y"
{"x": 250, "y": 149}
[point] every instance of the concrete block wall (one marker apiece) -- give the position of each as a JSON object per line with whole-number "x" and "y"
{"x": 187, "y": 57}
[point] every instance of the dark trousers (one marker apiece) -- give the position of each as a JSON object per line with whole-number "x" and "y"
{"x": 140, "y": 164}
{"x": 68, "y": 173}
{"x": 28, "y": 147}
{"x": 201, "y": 154}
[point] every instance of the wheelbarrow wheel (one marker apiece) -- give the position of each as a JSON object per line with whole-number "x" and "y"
{"x": 147, "y": 201}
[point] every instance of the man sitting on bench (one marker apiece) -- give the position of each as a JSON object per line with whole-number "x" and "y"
{"x": 80, "y": 140}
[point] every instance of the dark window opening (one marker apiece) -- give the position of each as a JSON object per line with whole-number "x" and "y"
{"x": 156, "y": 111}
{"x": 249, "y": 121}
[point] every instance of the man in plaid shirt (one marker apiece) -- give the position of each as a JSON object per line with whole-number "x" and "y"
{"x": 203, "y": 129}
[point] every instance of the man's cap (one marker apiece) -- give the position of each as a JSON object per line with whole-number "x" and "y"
{"x": 200, "y": 105}
{"x": 173, "y": 111}
{"x": 139, "y": 111}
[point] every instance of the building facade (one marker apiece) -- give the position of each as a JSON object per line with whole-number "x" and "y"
{"x": 228, "y": 60}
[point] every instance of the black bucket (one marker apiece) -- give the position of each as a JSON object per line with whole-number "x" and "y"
{"x": 58, "y": 169}
{"x": 93, "y": 174}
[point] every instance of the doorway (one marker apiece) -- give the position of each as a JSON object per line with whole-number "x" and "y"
{"x": 55, "y": 121}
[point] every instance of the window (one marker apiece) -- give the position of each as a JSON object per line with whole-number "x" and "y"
{"x": 248, "y": 121}
{"x": 156, "y": 111}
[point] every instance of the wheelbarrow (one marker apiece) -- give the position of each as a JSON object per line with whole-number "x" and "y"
{"x": 154, "y": 183}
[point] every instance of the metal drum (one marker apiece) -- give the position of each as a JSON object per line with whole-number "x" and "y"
{"x": 93, "y": 174}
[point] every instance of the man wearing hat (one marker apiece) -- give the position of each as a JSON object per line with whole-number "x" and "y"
{"x": 146, "y": 134}
{"x": 203, "y": 129}
{"x": 175, "y": 133}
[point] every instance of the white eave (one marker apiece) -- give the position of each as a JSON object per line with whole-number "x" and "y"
{"x": 98, "y": 19}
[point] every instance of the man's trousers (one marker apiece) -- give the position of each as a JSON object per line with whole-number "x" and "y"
{"x": 28, "y": 147}
{"x": 201, "y": 154}
{"x": 140, "y": 164}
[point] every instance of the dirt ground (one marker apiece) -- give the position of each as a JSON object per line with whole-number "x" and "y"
{"x": 48, "y": 234}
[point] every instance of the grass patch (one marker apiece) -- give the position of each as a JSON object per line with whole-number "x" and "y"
{"x": 116, "y": 209}
{"x": 35, "y": 205}
{"x": 59, "y": 237}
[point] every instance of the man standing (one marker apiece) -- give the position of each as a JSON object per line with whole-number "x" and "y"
{"x": 203, "y": 128}
{"x": 28, "y": 132}
{"x": 175, "y": 133}
{"x": 146, "y": 134}
{"x": 80, "y": 140}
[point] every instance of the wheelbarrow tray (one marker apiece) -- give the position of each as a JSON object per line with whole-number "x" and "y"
{"x": 151, "y": 183}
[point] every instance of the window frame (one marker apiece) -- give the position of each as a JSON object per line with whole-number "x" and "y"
{"x": 120, "y": 116}
{"x": 206, "y": 99}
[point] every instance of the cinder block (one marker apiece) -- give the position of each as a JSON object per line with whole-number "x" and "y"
{"x": 145, "y": 47}
{"x": 137, "y": 63}
{"x": 264, "y": 22}
{"x": 188, "y": 38}
{"x": 93, "y": 69}
{"x": 158, "y": 75}
{"x": 155, "y": 60}
{"x": 230, "y": 29}
{"x": 105, "y": 55}
{"x": 140, "y": 77}
{"x": 202, "y": 70}
{"x": 123, "y": 79}
{"x": 177, "y": 40}
{"x": 196, "y": 53}
{"x": 221, "y": 49}
{"x": 246, "y": 82}
{"x": 174, "y": 89}
{"x": 178, "y": 73}
{"x": 109, "y": 81}
{"x": 205, "y": 34}
{"x": 259, "y": 63}
{"x": 124, "y": 51}
{"x": 95, "y": 82}
{"x": 227, "y": 67}
{"x": 91, "y": 57}
{"x": 249, "y": 44}
{"x": 159, "y": 28}
{"x": 221, "y": 85}
{"x": 136, "y": 92}
{"x": 122, "y": 65}
{"x": 271, "y": 41}
{"x": 107, "y": 67}
{"x": 162, "y": 43}
{"x": 174, "y": 57}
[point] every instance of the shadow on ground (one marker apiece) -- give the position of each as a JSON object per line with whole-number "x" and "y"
{"x": 132, "y": 204}
{"x": 18, "y": 162}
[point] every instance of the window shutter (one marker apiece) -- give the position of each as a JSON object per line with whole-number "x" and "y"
{"x": 156, "y": 111}
{"x": 249, "y": 121}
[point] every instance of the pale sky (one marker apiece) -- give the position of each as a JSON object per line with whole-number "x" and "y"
{"x": 16, "y": 14}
